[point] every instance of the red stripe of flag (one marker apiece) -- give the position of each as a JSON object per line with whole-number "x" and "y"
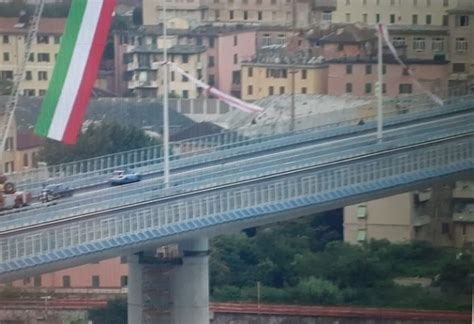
{"x": 90, "y": 73}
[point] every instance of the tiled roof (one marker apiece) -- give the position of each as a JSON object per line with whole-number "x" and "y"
{"x": 26, "y": 140}
{"x": 354, "y": 33}
{"x": 50, "y": 26}
{"x": 176, "y": 49}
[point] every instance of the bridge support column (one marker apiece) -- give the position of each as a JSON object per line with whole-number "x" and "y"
{"x": 190, "y": 284}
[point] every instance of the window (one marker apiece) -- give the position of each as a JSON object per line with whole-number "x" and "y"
{"x": 437, "y": 44}
{"x": 246, "y": 15}
{"x": 123, "y": 259}
{"x": 398, "y": 41}
{"x": 236, "y": 59}
{"x": 9, "y": 144}
{"x": 384, "y": 69}
{"x": 231, "y": 14}
{"x": 9, "y": 167}
{"x": 377, "y": 18}
{"x": 29, "y": 92}
{"x": 216, "y": 13}
{"x": 348, "y": 69}
{"x": 461, "y": 45}
{"x": 445, "y": 20}
{"x": 42, "y": 75}
{"x": 365, "y": 18}
{"x": 43, "y": 57}
{"x": 428, "y": 19}
{"x": 361, "y": 211}
{"x": 303, "y": 90}
{"x": 361, "y": 235}
{"x": 6, "y": 57}
{"x": 236, "y": 40}
{"x": 340, "y": 47}
{"x": 259, "y": 15}
{"x": 31, "y": 58}
{"x": 66, "y": 281}
{"x": 250, "y": 90}
{"x": 6, "y": 39}
{"x": 37, "y": 281}
{"x": 384, "y": 88}
{"x": 414, "y": 19}
{"x": 211, "y": 42}
{"x": 327, "y": 16}
{"x": 445, "y": 228}
{"x": 57, "y": 39}
{"x": 270, "y": 91}
{"x": 211, "y": 79}
{"x": 25, "y": 160}
{"x": 282, "y": 90}
{"x": 304, "y": 74}
{"x": 42, "y": 39}
{"x": 419, "y": 44}
{"x": 348, "y": 87}
{"x": 392, "y": 18}
{"x": 236, "y": 77}
{"x": 459, "y": 67}
{"x": 95, "y": 281}
{"x": 185, "y": 58}
{"x": 183, "y": 78}
{"x": 185, "y": 94}
{"x": 28, "y": 76}
{"x": 41, "y": 92}
{"x": 368, "y": 69}
{"x": 405, "y": 71}
{"x": 348, "y": 17}
{"x": 266, "y": 40}
{"x": 368, "y": 88}
{"x": 464, "y": 229}
{"x": 250, "y": 72}
{"x": 405, "y": 88}
{"x": 172, "y": 76}
{"x": 462, "y": 21}
{"x": 123, "y": 281}
{"x": 281, "y": 39}
{"x": 211, "y": 61}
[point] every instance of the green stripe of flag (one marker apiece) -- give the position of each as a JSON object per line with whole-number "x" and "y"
{"x": 68, "y": 42}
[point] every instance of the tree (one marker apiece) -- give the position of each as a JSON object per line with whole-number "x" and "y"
{"x": 114, "y": 313}
{"x": 97, "y": 140}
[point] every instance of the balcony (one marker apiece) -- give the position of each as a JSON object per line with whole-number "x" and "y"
{"x": 464, "y": 189}
{"x": 134, "y": 84}
{"x": 463, "y": 213}
{"x": 324, "y": 5}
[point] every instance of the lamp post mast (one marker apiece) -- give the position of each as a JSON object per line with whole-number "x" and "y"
{"x": 166, "y": 166}
{"x": 380, "y": 84}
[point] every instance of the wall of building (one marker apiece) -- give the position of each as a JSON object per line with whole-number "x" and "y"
{"x": 392, "y": 11}
{"x": 422, "y": 44}
{"x": 431, "y": 76}
{"x": 256, "y": 85}
{"x": 387, "y": 218}
{"x": 8, "y": 163}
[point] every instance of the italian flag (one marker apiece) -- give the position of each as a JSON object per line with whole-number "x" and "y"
{"x": 82, "y": 45}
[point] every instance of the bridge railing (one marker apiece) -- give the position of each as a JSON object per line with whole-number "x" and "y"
{"x": 149, "y": 158}
{"x": 140, "y": 224}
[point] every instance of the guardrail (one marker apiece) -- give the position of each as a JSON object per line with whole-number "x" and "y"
{"x": 151, "y": 156}
{"x": 141, "y": 223}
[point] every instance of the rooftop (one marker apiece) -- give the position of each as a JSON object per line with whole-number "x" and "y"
{"x": 387, "y": 59}
{"x": 54, "y": 26}
{"x": 176, "y": 49}
{"x": 279, "y": 55}
{"x": 353, "y": 33}
{"x": 203, "y": 30}
{"x": 26, "y": 140}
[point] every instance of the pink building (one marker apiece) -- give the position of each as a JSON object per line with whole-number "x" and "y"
{"x": 348, "y": 41}
{"x": 107, "y": 274}
{"x": 358, "y": 76}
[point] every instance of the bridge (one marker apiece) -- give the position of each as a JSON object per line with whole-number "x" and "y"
{"x": 235, "y": 183}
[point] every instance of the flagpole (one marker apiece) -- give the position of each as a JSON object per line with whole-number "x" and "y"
{"x": 166, "y": 167}
{"x": 380, "y": 85}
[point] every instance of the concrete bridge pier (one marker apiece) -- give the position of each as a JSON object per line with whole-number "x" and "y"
{"x": 170, "y": 290}
{"x": 190, "y": 283}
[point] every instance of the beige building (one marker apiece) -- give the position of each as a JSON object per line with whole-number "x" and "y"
{"x": 9, "y": 150}
{"x": 264, "y": 12}
{"x": 402, "y": 12}
{"x": 271, "y": 74}
{"x": 145, "y": 69}
{"x": 442, "y": 215}
{"x": 461, "y": 43}
{"x": 44, "y": 50}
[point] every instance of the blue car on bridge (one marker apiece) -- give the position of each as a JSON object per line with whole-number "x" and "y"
{"x": 120, "y": 177}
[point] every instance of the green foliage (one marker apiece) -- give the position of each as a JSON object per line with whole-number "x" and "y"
{"x": 95, "y": 141}
{"x": 305, "y": 262}
{"x": 114, "y": 313}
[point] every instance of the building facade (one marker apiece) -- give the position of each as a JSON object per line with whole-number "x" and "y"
{"x": 401, "y": 12}
{"x": 40, "y": 64}
{"x": 358, "y": 76}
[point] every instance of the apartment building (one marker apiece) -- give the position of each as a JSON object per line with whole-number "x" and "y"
{"x": 45, "y": 48}
{"x": 8, "y": 157}
{"x": 357, "y": 76}
{"x": 270, "y": 74}
{"x": 401, "y": 12}
{"x": 263, "y": 12}
{"x": 146, "y": 71}
{"x": 461, "y": 43}
{"x": 442, "y": 215}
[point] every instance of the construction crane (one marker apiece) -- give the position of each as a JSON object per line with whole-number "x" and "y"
{"x": 9, "y": 112}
